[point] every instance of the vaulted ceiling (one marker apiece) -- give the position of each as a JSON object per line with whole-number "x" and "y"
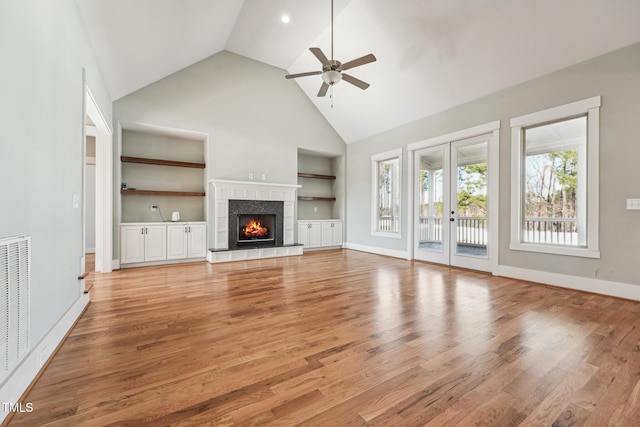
{"x": 431, "y": 54}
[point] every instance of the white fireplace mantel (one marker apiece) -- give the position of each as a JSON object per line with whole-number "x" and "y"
{"x": 225, "y": 190}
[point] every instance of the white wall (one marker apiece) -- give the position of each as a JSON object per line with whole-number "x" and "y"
{"x": 90, "y": 209}
{"x": 255, "y": 119}
{"x": 90, "y": 195}
{"x": 44, "y": 49}
{"x": 616, "y": 77}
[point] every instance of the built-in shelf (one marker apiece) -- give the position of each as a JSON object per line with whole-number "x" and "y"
{"x": 314, "y": 175}
{"x": 146, "y": 161}
{"x": 326, "y": 199}
{"x": 163, "y": 193}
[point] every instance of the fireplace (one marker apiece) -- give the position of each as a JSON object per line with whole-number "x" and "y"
{"x": 255, "y": 224}
{"x": 225, "y": 207}
{"x": 254, "y": 228}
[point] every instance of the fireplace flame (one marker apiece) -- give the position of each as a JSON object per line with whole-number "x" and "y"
{"x": 254, "y": 229}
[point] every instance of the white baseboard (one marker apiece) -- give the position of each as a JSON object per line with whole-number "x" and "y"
{"x": 115, "y": 264}
{"x": 378, "y": 250}
{"x": 20, "y": 379}
{"x": 586, "y": 284}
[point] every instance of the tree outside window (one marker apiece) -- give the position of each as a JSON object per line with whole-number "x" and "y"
{"x": 386, "y": 194}
{"x": 552, "y": 197}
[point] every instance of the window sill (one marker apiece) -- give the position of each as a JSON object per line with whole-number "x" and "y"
{"x": 386, "y": 234}
{"x": 555, "y": 250}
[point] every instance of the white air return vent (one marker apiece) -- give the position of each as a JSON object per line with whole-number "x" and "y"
{"x": 15, "y": 292}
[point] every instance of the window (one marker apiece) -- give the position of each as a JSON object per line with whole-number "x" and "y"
{"x": 554, "y": 205}
{"x": 385, "y": 218}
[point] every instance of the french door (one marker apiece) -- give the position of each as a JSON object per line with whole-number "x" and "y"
{"x": 453, "y": 210}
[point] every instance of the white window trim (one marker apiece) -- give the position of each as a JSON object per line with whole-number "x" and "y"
{"x": 387, "y": 155}
{"x": 591, "y": 107}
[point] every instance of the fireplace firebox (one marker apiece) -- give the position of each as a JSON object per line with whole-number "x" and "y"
{"x": 256, "y": 227}
{"x": 266, "y": 230}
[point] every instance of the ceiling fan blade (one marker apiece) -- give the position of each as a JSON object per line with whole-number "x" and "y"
{"x": 356, "y": 82}
{"x": 321, "y": 56}
{"x": 360, "y": 61}
{"x": 323, "y": 89}
{"x": 310, "y": 73}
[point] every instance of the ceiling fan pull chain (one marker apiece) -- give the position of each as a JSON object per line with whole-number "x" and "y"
{"x": 331, "y": 95}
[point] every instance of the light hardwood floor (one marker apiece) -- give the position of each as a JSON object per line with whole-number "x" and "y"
{"x": 89, "y": 267}
{"x": 338, "y": 338}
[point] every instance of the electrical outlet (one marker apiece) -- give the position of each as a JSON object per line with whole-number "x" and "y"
{"x": 153, "y": 208}
{"x": 315, "y": 209}
{"x": 633, "y": 204}
{"x": 250, "y": 175}
{"x": 264, "y": 176}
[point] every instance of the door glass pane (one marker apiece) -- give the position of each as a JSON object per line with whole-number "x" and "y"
{"x": 471, "y": 192}
{"x": 431, "y": 189}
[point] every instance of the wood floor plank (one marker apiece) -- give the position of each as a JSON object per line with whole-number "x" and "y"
{"x": 339, "y": 338}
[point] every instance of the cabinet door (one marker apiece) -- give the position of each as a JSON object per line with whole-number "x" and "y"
{"x": 327, "y": 234}
{"x": 303, "y": 234}
{"x": 336, "y": 233}
{"x": 131, "y": 244}
{"x": 332, "y": 233}
{"x": 176, "y": 241}
{"x": 197, "y": 241}
{"x": 315, "y": 234}
{"x": 155, "y": 245}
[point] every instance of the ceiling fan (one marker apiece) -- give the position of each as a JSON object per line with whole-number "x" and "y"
{"x": 332, "y": 70}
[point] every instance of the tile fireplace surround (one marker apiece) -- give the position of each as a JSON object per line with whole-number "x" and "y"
{"x": 223, "y": 191}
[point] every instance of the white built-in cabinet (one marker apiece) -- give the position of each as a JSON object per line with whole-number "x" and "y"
{"x": 331, "y": 233}
{"x": 157, "y": 242}
{"x": 310, "y": 234}
{"x": 320, "y": 233}
{"x": 186, "y": 241}
{"x": 143, "y": 243}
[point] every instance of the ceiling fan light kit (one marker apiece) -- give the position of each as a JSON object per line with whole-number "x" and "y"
{"x": 332, "y": 70}
{"x": 331, "y": 77}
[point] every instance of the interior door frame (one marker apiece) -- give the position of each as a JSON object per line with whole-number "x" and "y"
{"x": 104, "y": 188}
{"x": 493, "y": 130}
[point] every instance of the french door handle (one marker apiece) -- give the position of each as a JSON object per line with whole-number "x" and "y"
{"x": 453, "y": 212}
{"x": 451, "y": 219}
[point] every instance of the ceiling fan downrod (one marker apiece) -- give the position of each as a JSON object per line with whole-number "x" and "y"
{"x": 332, "y": 32}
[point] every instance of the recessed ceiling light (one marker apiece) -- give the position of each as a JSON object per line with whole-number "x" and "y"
{"x": 285, "y": 19}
